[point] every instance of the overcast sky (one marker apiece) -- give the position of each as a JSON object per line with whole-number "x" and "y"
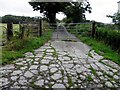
{"x": 100, "y": 8}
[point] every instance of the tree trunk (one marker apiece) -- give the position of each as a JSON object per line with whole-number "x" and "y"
{"x": 51, "y": 17}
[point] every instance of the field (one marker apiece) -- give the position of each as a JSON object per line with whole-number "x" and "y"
{"x": 3, "y": 27}
{"x": 3, "y": 30}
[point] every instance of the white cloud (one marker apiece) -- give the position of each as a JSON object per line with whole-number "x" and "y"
{"x": 17, "y": 7}
{"x": 101, "y": 8}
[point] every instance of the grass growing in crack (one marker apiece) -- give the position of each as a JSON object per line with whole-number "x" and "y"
{"x": 44, "y": 54}
{"x": 89, "y": 78}
{"x": 55, "y": 55}
{"x": 62, "y": 72}
{"x": 106, "y": 64}
{"x": 17, "y": 47}
{"x": 90, "y": 55}
{"x": 108, "y": 75}
{"x": 93, "y": 70}
{"x": 70, "y": 81}
{"x": 35, "y": 86}
{"x": 50, "y": 85}
{"x": 68, "y": 56}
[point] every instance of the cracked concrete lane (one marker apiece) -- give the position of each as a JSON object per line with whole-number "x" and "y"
{"x": 63, "y": 62}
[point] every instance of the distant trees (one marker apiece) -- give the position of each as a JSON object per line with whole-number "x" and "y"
{"x": 115, "y": 18}
{"x": 15, "y": 19}
{"x": 76, "y": 11}
{"x": 73, "y": 10}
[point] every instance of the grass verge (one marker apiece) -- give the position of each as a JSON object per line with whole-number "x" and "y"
{"x": 99, "y": 46}
{"x": 17, "y": 47}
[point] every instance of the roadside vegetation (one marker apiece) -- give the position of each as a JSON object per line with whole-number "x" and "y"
{"x": 16, "y": 47}
{"x": 101, "y": 48}
{"x": 105, "y": 43}
{"x": 110, "y": 37}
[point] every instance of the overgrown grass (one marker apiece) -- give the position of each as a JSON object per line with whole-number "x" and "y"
{"x": 99, "y": 47}
{"x": 110, "y": 37}
{"x": 17, "y": 47}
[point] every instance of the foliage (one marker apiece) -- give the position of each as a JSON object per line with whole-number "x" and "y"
{"x": 70, "y": 9}
{"x": 116, "y": 19}
{"x": 17, "y": 47}
{"x": 49, "y": 9}
{"x": 16, "y": 19}
{"x": 110, "y": 37}
{"x": 99, "y": 47}
{"x": 75, "y": 11}
{"x": 104, "y": 35}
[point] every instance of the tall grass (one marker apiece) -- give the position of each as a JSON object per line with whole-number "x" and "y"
{"x": 99, "y": 47}
{"x": 110, "y": 37}
{"x": 17, "y": 47}
{"x": 106, "y": 41}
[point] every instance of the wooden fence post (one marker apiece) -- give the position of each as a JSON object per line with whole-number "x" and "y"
{"x": 9, "y": 31}
{"x": 40, "y": 27}
{"x": 76, "y": 29}
{"x": 22, "y": 32}
{"x": 20, "y": 26}
{"x": 93, "y": 29}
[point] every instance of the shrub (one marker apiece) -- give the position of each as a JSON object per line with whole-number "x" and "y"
{"x": 110, "y": 37}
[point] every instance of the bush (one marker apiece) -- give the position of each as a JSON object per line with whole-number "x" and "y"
{"x": 17, "y": 47}
{"x": 110, "y": 37}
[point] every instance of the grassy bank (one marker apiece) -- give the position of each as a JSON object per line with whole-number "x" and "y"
{"x": 110, "y": 37}
{"x": 106, "y": 41}
{"x": 99, "y": 47}
{"x": 17, "y": 47}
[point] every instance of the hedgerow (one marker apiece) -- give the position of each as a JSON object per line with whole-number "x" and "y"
{"x": 110, "y": 37}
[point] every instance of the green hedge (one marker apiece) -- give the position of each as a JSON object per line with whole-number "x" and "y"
{"x": 110, "y": 37}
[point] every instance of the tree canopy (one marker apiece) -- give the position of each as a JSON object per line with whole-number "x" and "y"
{"x": 115, "y": 19}
{"x": 49, "y": 9}
{"x": 73, "y": 10}
{"x": 76, "y": 11}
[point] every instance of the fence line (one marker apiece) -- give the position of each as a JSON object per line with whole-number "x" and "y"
{"x": 24, "y": 29}
{"x": 35, "y": 29}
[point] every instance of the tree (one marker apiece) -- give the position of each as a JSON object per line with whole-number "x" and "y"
{"x": 115, "y": 19}
{"x": 73, "y": 10}
{"x": 49, "y": 9}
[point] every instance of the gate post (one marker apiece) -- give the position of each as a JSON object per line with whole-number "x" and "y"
{"x": 9, "y": 31}
{"x": 76, "y": 29}
{"x": 93, "y": 29}
{"x": 20, "y": 27}
{"x": 22, "y": 32}
{"x": 40, "y": 27}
